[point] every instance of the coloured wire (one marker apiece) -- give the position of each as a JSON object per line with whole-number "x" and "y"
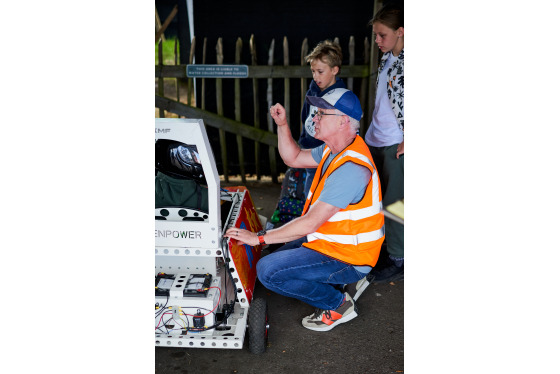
{"x": 214, "y": 306}
{"x": 185, "y": 323}
{"x": 162, "y": 308}
{"x": 192, "y": 329}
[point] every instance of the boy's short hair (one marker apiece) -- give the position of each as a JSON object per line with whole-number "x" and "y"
{"x": 328, "y": 52}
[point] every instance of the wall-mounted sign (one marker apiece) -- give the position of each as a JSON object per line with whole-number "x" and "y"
{"x": 217, "y": 71}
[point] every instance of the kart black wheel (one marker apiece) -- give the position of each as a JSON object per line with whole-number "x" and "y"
{"x": 258, "y": 326}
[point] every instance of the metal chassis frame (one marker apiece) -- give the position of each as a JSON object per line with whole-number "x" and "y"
{"x": 172, "y": 251}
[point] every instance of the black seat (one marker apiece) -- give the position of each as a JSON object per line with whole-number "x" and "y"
{"x": 179, "y": 180}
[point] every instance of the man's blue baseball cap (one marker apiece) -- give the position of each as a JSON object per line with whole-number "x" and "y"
{"x": 341, "y": 99}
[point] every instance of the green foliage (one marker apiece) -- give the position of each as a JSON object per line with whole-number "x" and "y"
{"x": 168, "y": 50}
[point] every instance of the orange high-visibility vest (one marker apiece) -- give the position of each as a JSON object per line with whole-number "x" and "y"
{"x": 353, "y": 235}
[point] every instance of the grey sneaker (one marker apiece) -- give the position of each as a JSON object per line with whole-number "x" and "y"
{"x": 382, "y": 273}
{"x": 325, "y": 320}
{"x": 356, "y": 289}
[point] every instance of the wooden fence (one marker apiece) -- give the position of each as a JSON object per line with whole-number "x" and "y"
{"x": 357, "y": 77}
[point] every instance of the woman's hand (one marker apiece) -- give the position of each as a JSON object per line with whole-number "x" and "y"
{"x": 400, "y": 149}
{"x": 242, "y": 236}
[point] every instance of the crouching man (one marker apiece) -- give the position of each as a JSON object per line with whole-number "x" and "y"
{"x": 340, "y": 231}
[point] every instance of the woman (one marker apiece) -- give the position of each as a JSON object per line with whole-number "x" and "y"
{"x": 385, "y": 135}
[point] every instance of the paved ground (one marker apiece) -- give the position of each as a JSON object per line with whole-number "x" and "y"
{"x": 371, "y": 343}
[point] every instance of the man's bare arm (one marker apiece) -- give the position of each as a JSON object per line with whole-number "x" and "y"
{"x": 318, "y": 214}
{"x": 289, "y": 150}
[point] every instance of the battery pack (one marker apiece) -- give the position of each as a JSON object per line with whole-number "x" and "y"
{"x": 197, "y": 285}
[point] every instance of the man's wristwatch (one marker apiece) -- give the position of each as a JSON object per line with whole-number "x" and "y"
{"x": 260, "y": 235}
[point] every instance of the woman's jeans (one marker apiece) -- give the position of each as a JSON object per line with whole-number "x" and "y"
{"x": 307, "y": 275}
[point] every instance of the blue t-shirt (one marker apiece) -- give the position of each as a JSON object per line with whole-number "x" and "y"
{"x": 337, "y": 190}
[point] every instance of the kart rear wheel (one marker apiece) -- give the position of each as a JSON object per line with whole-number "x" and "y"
{"x": 258, "y": 326}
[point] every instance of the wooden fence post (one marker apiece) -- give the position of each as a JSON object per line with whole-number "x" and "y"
{"x": 176, "y": 56}
{"x": 190, "y": 99}
{"x": 237, "y": 83}
{"x": 167, "y": 22}
{"x": 286, "y": 80}
{"x": 271, "y": 150}
{"x": 363, "y": 92}
{"x": 160, "y": 79}
{"x": 303, "y": 81}
{"x": 256, "y": 107}
{"x": 158, "y": 25}
{"x": 351, "y": 59}
{"x": 220, "y": 108}
{"x": 203, "y": 80}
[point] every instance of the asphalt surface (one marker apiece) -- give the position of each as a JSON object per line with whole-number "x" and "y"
{"x": 371, "y": 343}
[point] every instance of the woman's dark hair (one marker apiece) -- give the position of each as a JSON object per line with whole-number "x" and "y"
{"x": 390, "y": 15}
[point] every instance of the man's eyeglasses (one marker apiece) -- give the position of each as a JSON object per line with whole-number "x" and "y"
{"x": 320, "y": 114}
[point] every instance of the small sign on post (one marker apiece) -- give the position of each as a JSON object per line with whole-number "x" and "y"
{"x": 217, "y": 71}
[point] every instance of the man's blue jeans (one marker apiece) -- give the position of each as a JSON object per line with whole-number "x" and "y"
{"x": 307, "y": 275}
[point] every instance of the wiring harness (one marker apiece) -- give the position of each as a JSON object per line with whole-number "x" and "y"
{"x": 168, "y": 317}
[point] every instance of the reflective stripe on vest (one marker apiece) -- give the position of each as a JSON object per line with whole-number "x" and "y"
{"x": 358, "y": 214}
{"x": 354, "y": 154}
{"x": 358, "y": 239}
